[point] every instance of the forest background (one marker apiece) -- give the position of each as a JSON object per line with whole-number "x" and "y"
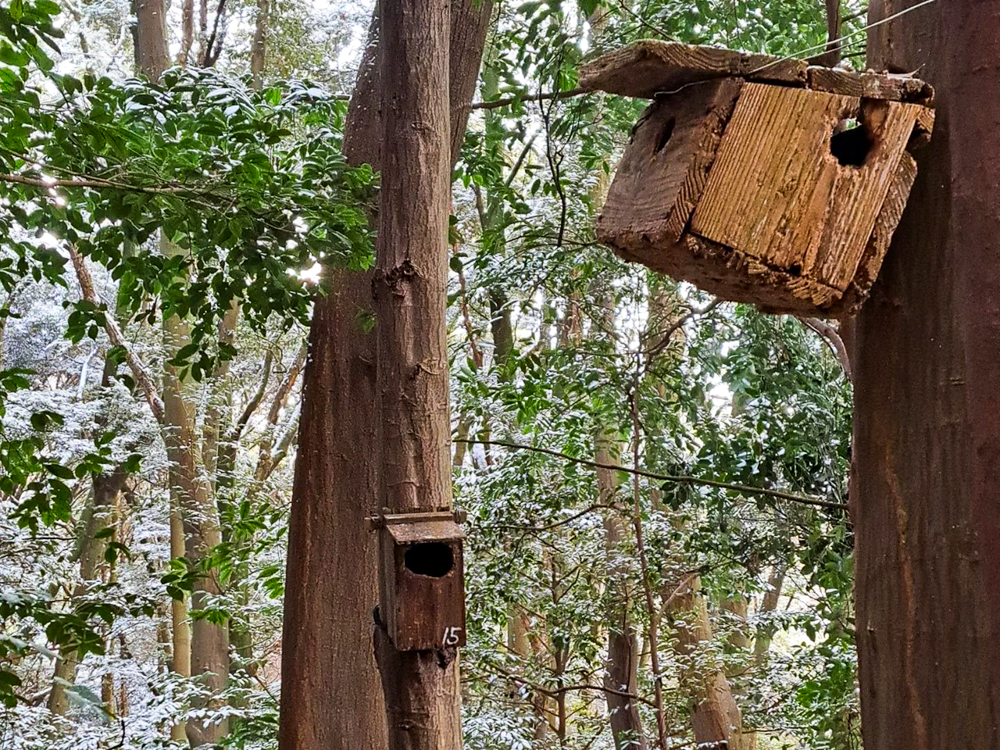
{"x": 162, "y": 246}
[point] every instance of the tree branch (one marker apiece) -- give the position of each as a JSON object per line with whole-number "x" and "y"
{"x": 545, "y": 96}
{"x": 114, "y": 333}
{"x": 831, "y": 337}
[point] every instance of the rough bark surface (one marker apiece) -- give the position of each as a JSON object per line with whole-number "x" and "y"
{"x": 622, "y": 666}
{"x": 927, "y": 429}
{"x": 331, "y": 588}
{"x": 410, "y": 290}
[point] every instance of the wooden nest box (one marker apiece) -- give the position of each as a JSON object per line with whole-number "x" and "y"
{"x": 422, "y": 579}
{"x": 759, "y": 179}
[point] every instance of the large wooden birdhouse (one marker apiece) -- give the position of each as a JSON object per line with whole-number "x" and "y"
{"x": 760, "y": 179}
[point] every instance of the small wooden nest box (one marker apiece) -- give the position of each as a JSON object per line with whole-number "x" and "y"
{"x": 422, "y": 587}
{"x": 760, "y": 179}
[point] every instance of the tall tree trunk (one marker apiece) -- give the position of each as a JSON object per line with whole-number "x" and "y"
{"x": 715, "y": 716}
{"x": 421, "y": 688}
{"x": 927, "y": 424}
{"x": 149, "y": 35}
{"x": 192, "y": 493}
{"x": 769, "y": 603}
{"x": 331, "y": 586}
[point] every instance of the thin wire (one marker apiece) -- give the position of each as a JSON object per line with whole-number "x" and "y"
{"x": 825, "y": 45}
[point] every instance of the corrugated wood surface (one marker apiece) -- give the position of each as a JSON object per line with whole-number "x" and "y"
{"x": 777, "y": 193}
{"x": 650, "y": 67}
{"x": 878, "y": 243}
{"x": 665, "y": 166}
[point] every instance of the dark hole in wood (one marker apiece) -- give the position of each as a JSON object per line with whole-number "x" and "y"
{"x": 668, "y": 130}
{"x": 795, "y": 270}
{"x": 432, "y": 559}
{"x": 852, "y": 146}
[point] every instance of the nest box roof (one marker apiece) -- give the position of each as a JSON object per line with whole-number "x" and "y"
{"x": 650, "y": 68}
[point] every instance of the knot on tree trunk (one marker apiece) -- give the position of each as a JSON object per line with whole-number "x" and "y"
{"x": 393, "y": 279}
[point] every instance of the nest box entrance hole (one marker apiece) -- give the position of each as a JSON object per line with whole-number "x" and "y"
{"x": 851, "y": 145}
{"x": 431, "y": 559}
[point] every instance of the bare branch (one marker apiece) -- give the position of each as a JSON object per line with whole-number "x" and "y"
{"x": 831, "y": 337}
{"x": 138, "y": 369}
{"x": 545, "y": 96}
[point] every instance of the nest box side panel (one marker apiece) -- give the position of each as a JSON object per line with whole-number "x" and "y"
{"x": 664, "y": 170}
{"x": 878, "y": 244}
{"x": 787, "y": 193}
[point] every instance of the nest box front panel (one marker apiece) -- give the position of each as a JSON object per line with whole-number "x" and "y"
{"x": 791, "y": 192}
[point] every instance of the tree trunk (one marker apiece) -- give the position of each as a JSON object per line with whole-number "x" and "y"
{"x": 91, "y": 554}
{"x": 421, "y": 687}
{"x": 191, "y": 489}
{"x": 715, "y": 716}
{"x": 622, "y": 664}
{"x": 927, "y": 426}
{"x": 331, "y": 583}
{"x": 769, "y": 603}
{"x": 149, "y": 35}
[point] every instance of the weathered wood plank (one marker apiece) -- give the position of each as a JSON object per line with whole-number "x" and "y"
{"x": 860, "y": 191}
{"x": 649, "y": 68}
{"x": 666, "y": 165}
{"x": 870, "y": 85}
{"x": 878, "y": 243}
{"x": 778, "y": 194}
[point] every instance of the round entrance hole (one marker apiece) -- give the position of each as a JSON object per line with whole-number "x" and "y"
{"x": 432, "y": 559}
{"x": 852, "y": 146}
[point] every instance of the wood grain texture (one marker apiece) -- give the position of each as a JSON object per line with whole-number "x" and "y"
{"x": 870, "y": 85}
{"x": 778, "y": 194}
{"x": 666, "y": 165}
{"x": 878, "y": 244}
{"x": 649, "y": 68}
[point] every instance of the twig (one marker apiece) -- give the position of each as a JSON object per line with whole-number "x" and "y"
{"x": 677, "y": 325}
{"x": 557, "y": 524}
{"x": 93, "y": 182}
{"x": 777, "y": 494}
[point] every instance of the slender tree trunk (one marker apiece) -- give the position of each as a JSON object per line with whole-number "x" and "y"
{"x": 762, "y": 642}
{"x": 91, "y": 554}
{"x": 927, "y": 424}
{"x": 331, "y": 585}
{"x": 149, "y": 36}
{"x": 259, "y": 48}
{"x": 189, "y": 485}
{"x": 180, "y": 627}
{"x": 191, "y": 489}
{"x": 622, "y": 664}
{"x": 715, "y": 716}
